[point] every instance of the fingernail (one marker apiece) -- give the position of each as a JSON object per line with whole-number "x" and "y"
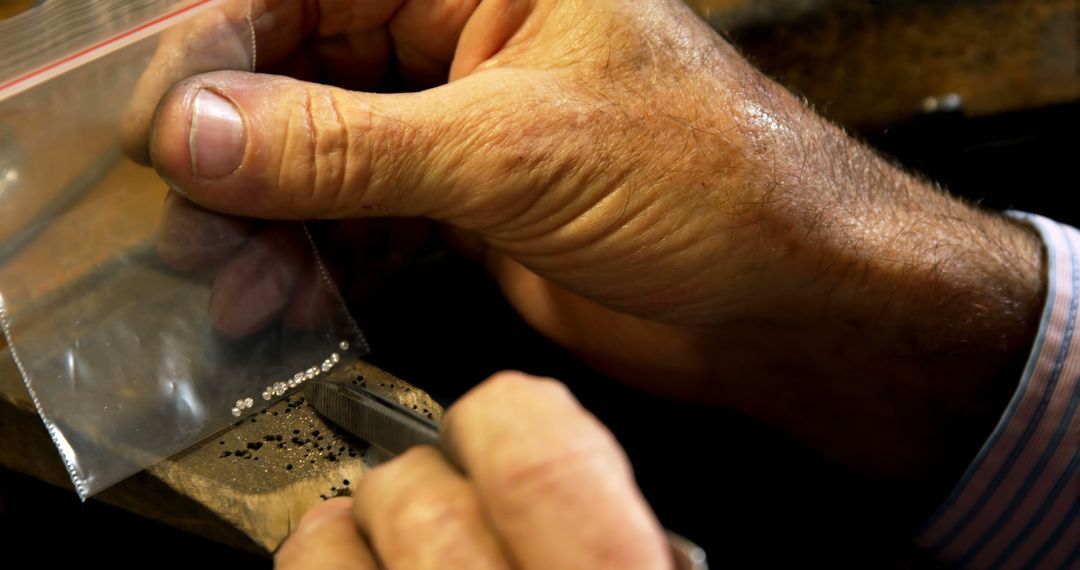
{"x": 216, "y": 140}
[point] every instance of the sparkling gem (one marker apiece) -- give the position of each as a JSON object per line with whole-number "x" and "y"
{"x": 326, "y": 366}
{"x": 236, "y": 412}
{"x": 249, "y": 402}
{"x": 344, "y": 345}
{"x": 267, "y": 395}
{"x": 335, "y": 358}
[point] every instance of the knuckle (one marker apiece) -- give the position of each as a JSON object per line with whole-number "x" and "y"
{"x": 387, "y": 475}
{"x": 428, "y": 515}
{"x": 380, "y": 480}
{"x": 408, "y": 513}
{"x": 510, "y": 386}
{"x": 318, "y": 154}
{"x": 552, "y": 474}
{"x": 428, "y": 511}
{"x": 391, "y": 147}
{"x": 557, "y": 460}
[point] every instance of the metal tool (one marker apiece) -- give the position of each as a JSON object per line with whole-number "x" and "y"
{"x": 393, "y": 429}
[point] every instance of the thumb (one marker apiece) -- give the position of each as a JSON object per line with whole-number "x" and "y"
{"x": 274, "y": 147}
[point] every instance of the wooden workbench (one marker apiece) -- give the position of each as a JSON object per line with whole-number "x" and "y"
{"x": 871, "y": 65}
{"x": 246, "y": 487}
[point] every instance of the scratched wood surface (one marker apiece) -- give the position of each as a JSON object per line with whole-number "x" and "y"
{"x": 866, "y": 64}
{"x": 247, "y": 486}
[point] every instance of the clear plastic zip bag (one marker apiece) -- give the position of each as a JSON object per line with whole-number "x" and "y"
{"x": 140, "y": 322}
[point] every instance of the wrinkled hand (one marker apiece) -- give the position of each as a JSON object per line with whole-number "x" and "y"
{"x": 542, "y": 485}
{"x": 618, "y": 228}
{"x": 641, "y": 194}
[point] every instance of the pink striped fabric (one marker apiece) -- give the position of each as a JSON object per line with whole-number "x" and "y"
{"x": 1017, "y": 505}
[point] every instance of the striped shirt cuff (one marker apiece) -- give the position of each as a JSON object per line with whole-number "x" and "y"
{"x": 1017, "y": 504}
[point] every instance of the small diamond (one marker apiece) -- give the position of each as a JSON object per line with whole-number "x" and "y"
{"x": 298, "y": 377}
{"x": 249, "y": 402}
{"x": 267, "y": 395}
{"x": 335, "y": 358}
{"x": 326, "y": 366}
{"x": 236, "y": 412}
{"x": 311, "y": 372}
{"x": 344, "y": 345}
{"x": 240, "y": 404}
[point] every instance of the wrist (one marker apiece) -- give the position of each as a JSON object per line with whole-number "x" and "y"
{"x": 898, "y": 318}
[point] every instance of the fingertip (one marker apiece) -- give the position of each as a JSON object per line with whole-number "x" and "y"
{"x": 515, "y": 385}
{"x": 274, "y": 147}
{"x": 193, "y": 239}
{"x": 314, "y": 299}
{"x": 506, "y": 402}
{"x": 169, "y": 132}
{"x": 327, "y": 537}
{"x": 134, "y": 137}
{"x": 324, "y": 512}
{"x": 199, "y": 138}
{"x": 253, "y": 288}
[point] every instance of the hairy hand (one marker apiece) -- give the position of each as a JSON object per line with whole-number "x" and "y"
{"x": 642, "y": 195}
